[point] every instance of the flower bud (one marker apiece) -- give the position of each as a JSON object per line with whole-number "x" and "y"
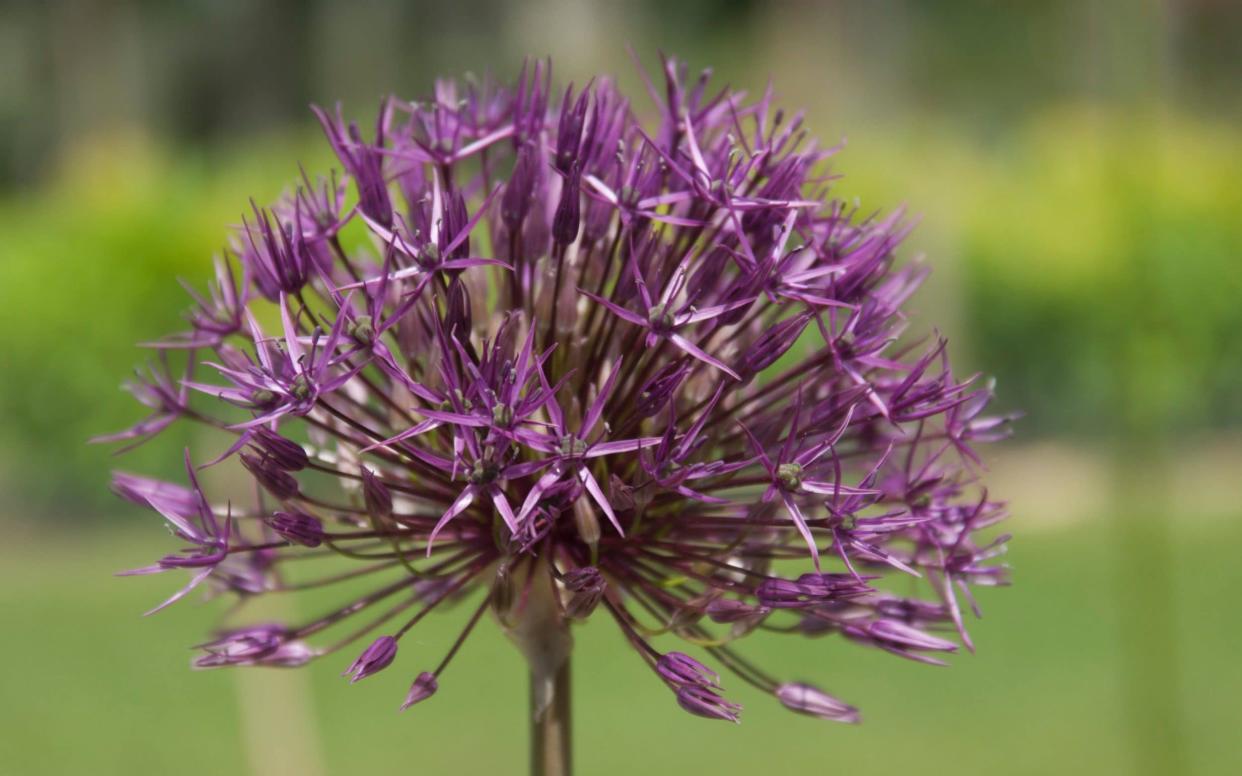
{"x": 807, "y": 699}
{"x": 275, "y": 480}
{"x": 586, "y": 586}
{"x": 620, "y": 495}
{"x": 255, "y": 645}
{"x": 456, "y": 217}
{"x": 809, "y": 590}
{"x": 680, "y": 669}
{"x": 457, "y": 313}
{"x": 569, "y": 130}
{"x": 162, "y": 496}
{"x": 703, "y": 702}
{"x": 771, "y": 345}
{"x": 298, "y": 527}
{"x": 655, "y": 393}
{"x": 373, "y": 659}
{"x": 284, "y": 453}
{"x": 586, "y": 522}
{"x": 515, "y": 202}
{"x": 423, "y": 688}
{"x": 568, "y": 213}
{"x": 898, "y": 636}
{"x": 375, "y": 495}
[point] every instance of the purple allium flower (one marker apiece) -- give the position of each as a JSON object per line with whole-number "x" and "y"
{"x": 583, "y": 365}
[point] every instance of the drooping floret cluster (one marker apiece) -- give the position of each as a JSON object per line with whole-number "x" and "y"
{"x": 589, "y": 365}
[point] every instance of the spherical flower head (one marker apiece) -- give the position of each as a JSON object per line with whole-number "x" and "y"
{"x": 570, "y": 358}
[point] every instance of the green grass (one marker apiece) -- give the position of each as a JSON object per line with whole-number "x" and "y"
{"x": 92, "y": 687}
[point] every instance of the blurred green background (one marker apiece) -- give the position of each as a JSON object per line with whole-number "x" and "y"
{"x": 1078, "y": 169}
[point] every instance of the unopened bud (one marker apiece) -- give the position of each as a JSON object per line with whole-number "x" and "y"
{"x": 586, "y": 588}
{"x": 807, "y": 699}
{"x": 375, "y": 495}
{"x": 681, "y": 670}
{"x": 568, "y": 218}
{"x": 515, "y": 202}
{"x": 275, "y": 480}
{"x": 423, "y": 688}
{"x": 586, "y": 523}
{"x": 373, "y": 659}
{"x": 704, "y": 702}
{"x": 620, "y": 495}
{"x": 298, "y": 527}
{"x": 458, "y": 317}
{"x": 282, "y": 452}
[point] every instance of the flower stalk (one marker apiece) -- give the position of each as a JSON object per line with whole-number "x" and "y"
{"x": 551, "y": 731}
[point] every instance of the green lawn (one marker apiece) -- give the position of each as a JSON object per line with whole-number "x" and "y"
{"x": 90, "y": 687}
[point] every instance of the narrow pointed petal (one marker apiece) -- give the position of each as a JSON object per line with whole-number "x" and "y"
{"x": 698, "y": 353}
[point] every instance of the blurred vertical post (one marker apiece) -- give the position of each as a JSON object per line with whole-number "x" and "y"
{"x": 1132, "y": 67}
{"x": 278, "y": 727}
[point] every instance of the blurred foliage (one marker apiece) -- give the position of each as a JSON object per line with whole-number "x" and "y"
{"x": 1104, "y": 271}
{"x": 90, "y": 271}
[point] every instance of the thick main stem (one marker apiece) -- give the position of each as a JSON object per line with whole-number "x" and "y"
{"x": 536, "y": 624}
{"x": 550, "y": 729}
